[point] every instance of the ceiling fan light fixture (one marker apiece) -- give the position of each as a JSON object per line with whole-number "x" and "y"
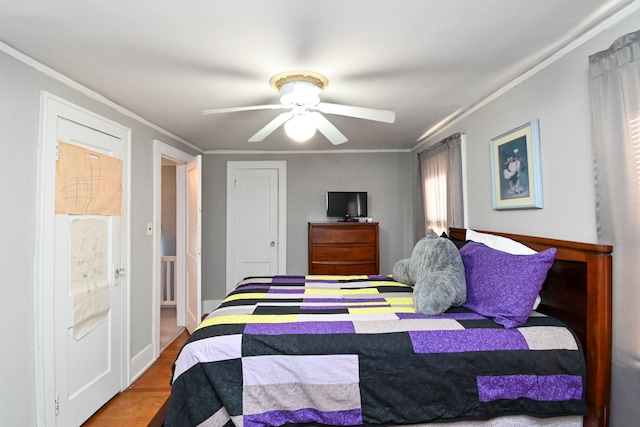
{"x": 300, "y": 128}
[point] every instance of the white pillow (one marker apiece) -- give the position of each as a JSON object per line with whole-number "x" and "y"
{"x": 500, "y": 243}
{"x": 503, "y": 244}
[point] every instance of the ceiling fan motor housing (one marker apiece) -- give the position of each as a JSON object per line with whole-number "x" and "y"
{"x": 299, "y": 94}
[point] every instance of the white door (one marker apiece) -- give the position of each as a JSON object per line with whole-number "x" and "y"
{"x": 193, "y": 243}
{"x": 87, "y": 356}
{"x": 255, "y": 220}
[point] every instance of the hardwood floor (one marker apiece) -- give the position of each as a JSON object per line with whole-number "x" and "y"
{"x": 138, "y": 405}
{"x": 169, "y": 328}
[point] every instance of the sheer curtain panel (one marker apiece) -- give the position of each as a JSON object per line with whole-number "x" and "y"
{"x": 441, "y": 183}
{"x": 615, "y": 106}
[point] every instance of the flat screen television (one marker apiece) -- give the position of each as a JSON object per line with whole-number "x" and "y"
{"x": 346, "y": 204}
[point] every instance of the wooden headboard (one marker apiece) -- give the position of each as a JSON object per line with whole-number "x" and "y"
{"x": 578, "y": 292}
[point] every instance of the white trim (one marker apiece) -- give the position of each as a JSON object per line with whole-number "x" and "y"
{"x": 232, "y": 168}
{"x": 96, "y": 96}
{"x": 561, "y": 53}
{"x": 49, "y": 72}
{"x": 422, "y": 141}
{"x": 142, "y": 361}
{"x": 345, "y": 151}
{"x": 181, "y": 245}
{"x": 43, "y": 336}
{"x": 52, "y": 107}
{"x": 163, "y": 150}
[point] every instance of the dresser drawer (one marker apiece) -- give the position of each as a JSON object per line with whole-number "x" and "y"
{"x": 344, "y": 234}
{"x": 365, "y": 268}
{"x": 326, "y": 252}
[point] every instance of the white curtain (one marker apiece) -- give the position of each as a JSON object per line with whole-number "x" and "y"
{"x": 615, "y": 106}
{"x": 441, "y": 183}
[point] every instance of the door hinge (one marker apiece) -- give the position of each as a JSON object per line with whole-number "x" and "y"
{"x": 56, "y": 404}
{"x": 57, "y": 152}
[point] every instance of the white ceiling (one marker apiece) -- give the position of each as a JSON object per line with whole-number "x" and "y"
{"x": 168, "y": 60}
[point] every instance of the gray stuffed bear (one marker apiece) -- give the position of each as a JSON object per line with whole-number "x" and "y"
{"x": 436, "y": 272}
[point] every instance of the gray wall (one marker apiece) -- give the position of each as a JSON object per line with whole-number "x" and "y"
{"x": 20, "y": 86}
{"x": 168, "y": 211}
{"x": 18, "y": 137}
{"x": 385, "y": 176}
{"x": 558, "y": 96}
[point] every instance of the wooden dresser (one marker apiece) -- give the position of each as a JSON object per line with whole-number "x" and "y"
{"x": 344, "y": 248}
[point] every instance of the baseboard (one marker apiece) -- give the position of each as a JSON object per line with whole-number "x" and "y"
{"x": 141, "y": 362}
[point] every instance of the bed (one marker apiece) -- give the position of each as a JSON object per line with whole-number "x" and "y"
{"x": 351, "y": 350}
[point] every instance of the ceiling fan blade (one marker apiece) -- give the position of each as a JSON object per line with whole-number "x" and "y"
{"x": 250, "y": 108}
{"x": 271, "y": 126}
{"x": 328, "y": 129}
{"x": 386, "y": 116}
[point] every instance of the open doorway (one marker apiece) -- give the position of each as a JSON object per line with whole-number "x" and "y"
{"x": 175, "y": 293}
{"x": 170, "y": 328}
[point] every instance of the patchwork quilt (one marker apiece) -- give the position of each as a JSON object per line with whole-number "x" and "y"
{"x": 351, "y": 351}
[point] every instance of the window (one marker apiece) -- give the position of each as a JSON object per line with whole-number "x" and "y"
{"x": 435, "y": 198}
{"x": 441, "y": 183}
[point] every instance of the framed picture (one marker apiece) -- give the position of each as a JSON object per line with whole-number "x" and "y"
{"x": 516, "y": 175}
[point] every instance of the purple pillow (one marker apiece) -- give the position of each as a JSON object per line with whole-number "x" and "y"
{"x": 502, "y": 285}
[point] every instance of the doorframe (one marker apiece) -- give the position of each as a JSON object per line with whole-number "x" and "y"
{"x": 232, "y": 168}
{"x": 52, "y": 108}
{"x": 162, "y": 150}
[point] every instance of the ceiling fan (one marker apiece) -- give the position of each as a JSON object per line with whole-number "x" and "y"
{"x": 299, "y": 93}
